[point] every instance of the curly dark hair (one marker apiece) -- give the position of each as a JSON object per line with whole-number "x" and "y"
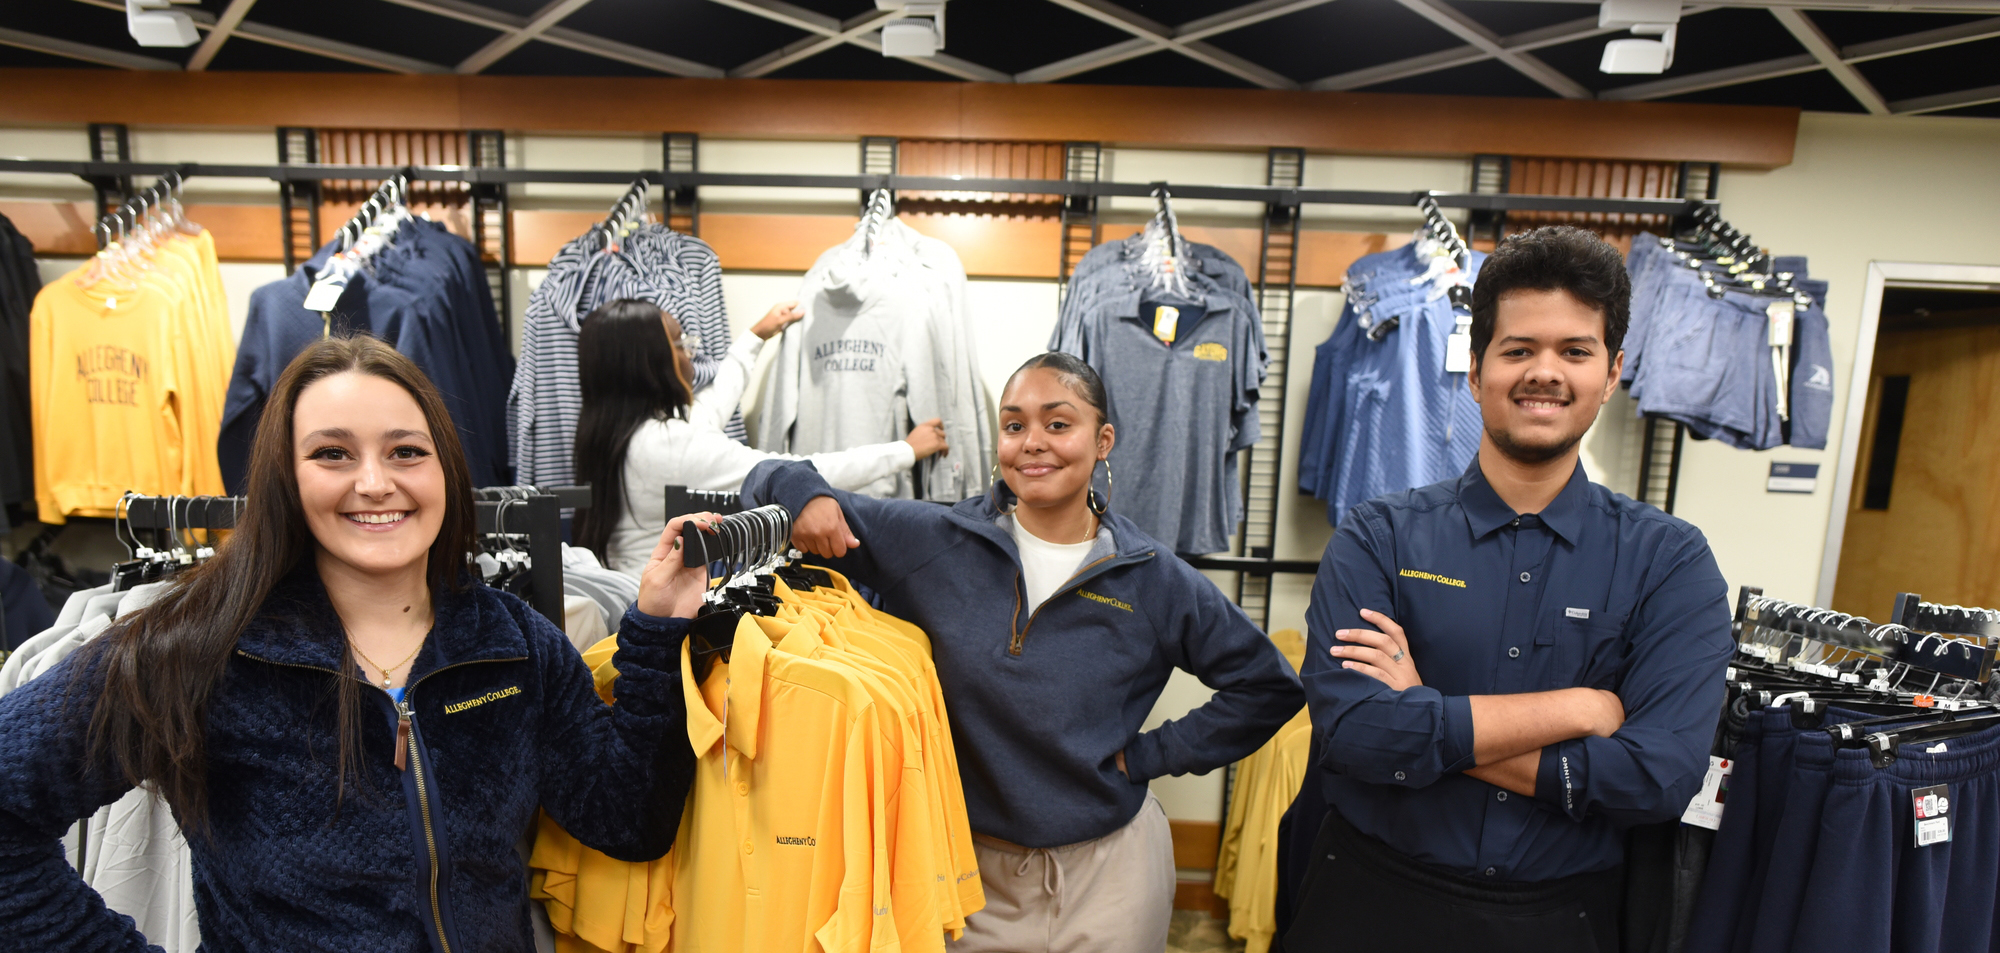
{"x": 1551, "y": 258}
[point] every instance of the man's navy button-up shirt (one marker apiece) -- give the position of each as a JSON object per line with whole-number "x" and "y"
{"x": 1596, "y": 590}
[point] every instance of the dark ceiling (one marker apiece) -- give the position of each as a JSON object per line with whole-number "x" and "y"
{"x": 1758, "y": 52}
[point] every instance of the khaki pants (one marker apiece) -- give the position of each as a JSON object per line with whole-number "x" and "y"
{"x": 1114, "y": 894}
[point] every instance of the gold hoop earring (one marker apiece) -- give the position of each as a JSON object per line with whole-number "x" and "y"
{"x": 1100, "y": 504}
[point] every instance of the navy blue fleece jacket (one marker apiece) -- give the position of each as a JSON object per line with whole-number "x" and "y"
{"x": 506, "y": 719}
{"x": 1042, "y": 702}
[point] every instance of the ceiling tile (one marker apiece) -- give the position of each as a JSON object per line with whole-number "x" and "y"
{"x": 848, "y": 61}
{"x": 378, "y": 25}
{"x": 1946, "y": 69}
{"x": 1508, "y": 17}
{"x": 1016, "y": 37}
{"x": 544, "y": 59}
{"x": 241, "y": 54}
{"x": 1169, "y": 12}
{"x": 1848, "y": 27}
{"x": 1816, "y": 91}
{"x": 1489, "y": 78}
{"x": 15, "y": 57}
{"x": 1164, "y": 68}
{"x": 697, "y": 30}
{"x": 1990, "y": 110}
{"x": 81, "y": 23}
{"x": 1337, "y": 38}
{"x": 1707, "y": 41}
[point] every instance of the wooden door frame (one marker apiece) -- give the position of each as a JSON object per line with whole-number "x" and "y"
{"x": 1881, "y": 275}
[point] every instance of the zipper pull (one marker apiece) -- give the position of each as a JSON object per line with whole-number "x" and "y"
{"x": 402, "y": 736}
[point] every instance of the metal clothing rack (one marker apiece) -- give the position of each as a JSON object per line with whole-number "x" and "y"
{"x": 534, "y": 513}
{"x": 1287, "y": 196}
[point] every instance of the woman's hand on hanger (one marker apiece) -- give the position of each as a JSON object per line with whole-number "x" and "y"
{"x": 821, "y": 529}
{"x": 666, "y": 587}
{"x": 782, "y": 315}
{"x": 927, "y": 438}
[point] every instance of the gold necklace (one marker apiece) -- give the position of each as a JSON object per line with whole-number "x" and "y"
{"x": 386, "y": 680}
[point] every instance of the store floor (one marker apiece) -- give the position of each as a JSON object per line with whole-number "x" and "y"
{"x": 1196, "y": 932}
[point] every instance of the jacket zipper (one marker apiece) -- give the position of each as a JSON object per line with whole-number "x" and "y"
{"x": 405, "y": 725}
{"x": 1082, "y": 576}
{"x": 406, "y": 745}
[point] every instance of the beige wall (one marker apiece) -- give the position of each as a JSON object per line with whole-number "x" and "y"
{"x": 1861, "y": 189}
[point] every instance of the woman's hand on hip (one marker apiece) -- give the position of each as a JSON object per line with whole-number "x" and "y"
{"x": 821, "y": 529}
{"x": 667, "y": 587}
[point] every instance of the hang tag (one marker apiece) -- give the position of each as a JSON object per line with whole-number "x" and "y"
{"x": 1166, "y": 323}
{"x": 1458, "y": 347}
{"x": 111, "y": 304}
{"x": 1933, "y": 809}
{"x": 1706, "y": 808}
{"x": 325, "y": 294}
{"x": 1780, "y": 314}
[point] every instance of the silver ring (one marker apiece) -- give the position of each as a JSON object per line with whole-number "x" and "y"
{"x": 1397, "y": 657}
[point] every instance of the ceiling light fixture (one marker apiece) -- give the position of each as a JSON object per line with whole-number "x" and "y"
{"x": 917, "y": 30}
{"x": 153, "y": 23}
{"x": 1659, "y": 18}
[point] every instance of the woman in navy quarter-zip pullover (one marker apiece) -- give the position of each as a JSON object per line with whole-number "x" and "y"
{"x": 1054, "y": 623}
{"x": 352, "y": 733}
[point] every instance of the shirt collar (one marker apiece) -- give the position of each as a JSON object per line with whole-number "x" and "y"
{"x": 743, "y": 699}
{"x": 1486, "y": 512}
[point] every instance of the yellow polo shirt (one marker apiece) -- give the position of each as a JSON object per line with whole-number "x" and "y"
{"x": 785, "y": 836}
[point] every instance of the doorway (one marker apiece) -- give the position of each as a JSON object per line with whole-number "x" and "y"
{"x": 1917, "y": 498}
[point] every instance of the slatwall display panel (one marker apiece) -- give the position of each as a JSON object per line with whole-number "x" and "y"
{"x": 1596, "y": 179}
{"x": 998, "y": 160}
{"x": 443, "y": 201}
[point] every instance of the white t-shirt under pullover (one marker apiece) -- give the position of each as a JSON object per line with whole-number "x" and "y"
{"x": 1045, "y": 566}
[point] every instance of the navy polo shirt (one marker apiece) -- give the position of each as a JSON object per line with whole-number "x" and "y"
{"x": 1596, "y": 590}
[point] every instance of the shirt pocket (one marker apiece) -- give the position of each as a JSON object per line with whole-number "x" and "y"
{"x": 1589, "y": 653}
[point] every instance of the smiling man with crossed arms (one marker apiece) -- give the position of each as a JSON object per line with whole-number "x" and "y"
{"x": 1509, "y": 668}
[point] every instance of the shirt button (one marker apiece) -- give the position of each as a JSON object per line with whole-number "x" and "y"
{"x": 1525, "y": 577}
{"x": 1516, "y": 522}
{"x": 1490, "y": 871}
{"x": 743, "y": 787}
{"x": 1500, "y": 796}
{"x": 1514, "y": 652}
{"x": 1399, "y": 775}
{"x": 747, "y": 848}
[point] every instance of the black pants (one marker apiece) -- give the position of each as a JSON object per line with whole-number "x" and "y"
{"x": 1361, "y": 896}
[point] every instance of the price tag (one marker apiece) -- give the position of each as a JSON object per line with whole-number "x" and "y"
{"x": 1933, "y": 810}
{"x": 1706, "y": 808}
{"x": 1849, "y": 678}
{"x": 1458, "y": 347}
{"x": 1780, "y": 315}
{"x": 1166, "y": 322}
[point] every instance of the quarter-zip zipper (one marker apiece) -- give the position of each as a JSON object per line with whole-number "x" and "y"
{"x": 406, "y": 745}
{"x": 1082, "y": 576}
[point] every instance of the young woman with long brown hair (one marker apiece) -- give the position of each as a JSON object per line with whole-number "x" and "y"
{"x": 352, "y": 733}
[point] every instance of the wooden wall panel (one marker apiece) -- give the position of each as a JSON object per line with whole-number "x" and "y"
{"x": 990, "y": 247}
{"x": 242, "y": 232}
{"x": 1368, "y": 123}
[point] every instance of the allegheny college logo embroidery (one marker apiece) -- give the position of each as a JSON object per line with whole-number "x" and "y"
{"x": 1433, "y": 577}
{"x": 798, "y": 842}
{"x": 1821, "y": 378}
{"x": 1107, "y": 600}
{"x": 456, "y": 707}
{"x": 1210, "y": 351}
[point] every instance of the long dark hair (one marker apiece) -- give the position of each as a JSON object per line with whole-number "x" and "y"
{"x": 629, "y": 375}
{"x": 162, "y": 665}
{"x": 1075, "y": 375}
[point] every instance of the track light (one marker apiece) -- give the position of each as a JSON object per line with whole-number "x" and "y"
{"x": 1659, "y": 18}
{"x": 154, "y": 23}
{"x": 918, "y": 30}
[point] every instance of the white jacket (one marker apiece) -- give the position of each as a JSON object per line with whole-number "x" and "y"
{"x": 695, "y": 453}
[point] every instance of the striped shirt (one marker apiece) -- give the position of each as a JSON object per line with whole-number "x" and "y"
{"x": 679, "y": 273}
